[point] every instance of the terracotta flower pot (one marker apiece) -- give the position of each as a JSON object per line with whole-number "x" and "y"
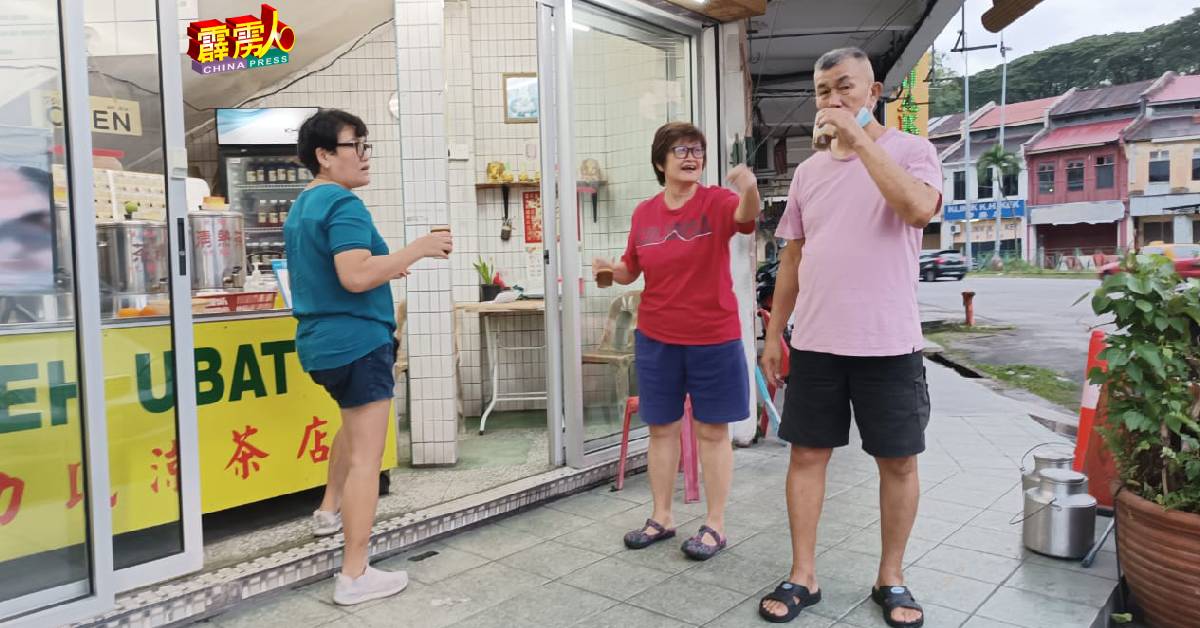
{"x": 1160, "y": 557}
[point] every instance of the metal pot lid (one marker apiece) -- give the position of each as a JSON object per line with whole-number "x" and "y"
{"x": 214, "y": 213}
{"x": 131, "y": 223}
{"x": 1063, "y": 476}
{"x": 1054, "y": 457}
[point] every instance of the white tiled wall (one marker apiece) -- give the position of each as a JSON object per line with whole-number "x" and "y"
{"x": 421, "y": 69}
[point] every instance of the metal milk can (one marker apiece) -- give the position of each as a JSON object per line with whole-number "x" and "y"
{"x": 1054, "y": 459}
{"x": 1060, "y": 517}
{"x": 218, "y": 250}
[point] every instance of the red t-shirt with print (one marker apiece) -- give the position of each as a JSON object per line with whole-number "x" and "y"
{"x": 684, "y": 254}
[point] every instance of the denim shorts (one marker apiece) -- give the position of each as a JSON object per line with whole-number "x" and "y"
{"x": 715, "y": 376}
{"x": 368, "y": 379}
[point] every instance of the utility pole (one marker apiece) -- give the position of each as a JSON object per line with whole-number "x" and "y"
{"x": 969, "y": 165}
{"x": 968, "y": 169}
{"x": 997, "y": 175}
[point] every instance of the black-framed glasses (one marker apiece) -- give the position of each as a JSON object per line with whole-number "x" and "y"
{"x": 682, "y": 151}
{"x": 362, "y": 149}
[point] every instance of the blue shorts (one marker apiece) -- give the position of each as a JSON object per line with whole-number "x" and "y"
{"x": 714, "y": 375}
{"x": 365, "y": 380}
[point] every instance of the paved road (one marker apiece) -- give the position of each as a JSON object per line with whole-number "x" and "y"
{"x": 1050, "y": 331}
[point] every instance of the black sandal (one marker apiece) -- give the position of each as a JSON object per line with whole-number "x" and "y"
{"x": 891, "y": 598}
{"x": 638, "y": 539}
{"x": 795, "y": 597}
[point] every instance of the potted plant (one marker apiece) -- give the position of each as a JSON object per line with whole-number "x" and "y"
{"x": 489, "y": 281}
{"x": 1152, "y": 387}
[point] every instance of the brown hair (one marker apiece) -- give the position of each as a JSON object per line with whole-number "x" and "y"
{"x": 665, "y": 137}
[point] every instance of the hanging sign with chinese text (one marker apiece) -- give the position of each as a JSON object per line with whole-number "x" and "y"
{"x": 266, "y": 429}
{"x": 240, "y": 43}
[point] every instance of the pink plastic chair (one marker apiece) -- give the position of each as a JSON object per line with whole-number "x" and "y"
{"x": 689, "y": 461}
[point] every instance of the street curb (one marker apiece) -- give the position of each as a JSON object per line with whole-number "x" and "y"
{"x": 1051, "y": 419}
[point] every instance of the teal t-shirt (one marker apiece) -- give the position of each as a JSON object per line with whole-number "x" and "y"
{"x": 336, "y": 326}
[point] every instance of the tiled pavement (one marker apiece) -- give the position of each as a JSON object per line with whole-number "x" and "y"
{"x": 563, "y": 564}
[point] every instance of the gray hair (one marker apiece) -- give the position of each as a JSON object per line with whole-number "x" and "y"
{"x": 836, "y": 56}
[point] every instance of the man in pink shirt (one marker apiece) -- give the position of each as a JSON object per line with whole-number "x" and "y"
{"x": 853, "y": 222}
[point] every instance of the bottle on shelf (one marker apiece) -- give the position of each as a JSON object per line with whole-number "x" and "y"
{"x": 270, "y": 173}
{"x": 283, "y": 212}
{"x": 262, "y": 212}
{"x": 260, "y": 173}
{"x": 280, "y": 172}
{"x": 274, "y": 213}
{"x": 292, "y": 175}
{"x": 250, "y": 175}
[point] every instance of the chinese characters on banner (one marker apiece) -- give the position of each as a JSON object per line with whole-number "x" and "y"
{"x": 240, "y": 42}
{"x": 531, "y": 204}
{"x": 265, "y": 429}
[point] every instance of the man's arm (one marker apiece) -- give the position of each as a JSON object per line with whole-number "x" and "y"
{"x": 915, "y": 201}
{"x": 787, "y": 288}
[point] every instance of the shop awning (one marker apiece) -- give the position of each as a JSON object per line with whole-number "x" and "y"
{"x": 1079, "y": 136}
{"x": 1161, "y": 204}
{"x": 1092, "y": 213}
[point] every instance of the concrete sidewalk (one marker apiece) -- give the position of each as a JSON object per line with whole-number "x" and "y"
{"x": 563, "y": 563}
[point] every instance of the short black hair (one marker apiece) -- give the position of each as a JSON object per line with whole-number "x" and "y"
{"x": 665, "y": 137}
{"x": 321, "y": 130}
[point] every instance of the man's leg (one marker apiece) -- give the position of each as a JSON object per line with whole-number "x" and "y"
{"x": 891, "y": 407}
{"x": 899, "y": 494}
{"x": 805, "y": 496}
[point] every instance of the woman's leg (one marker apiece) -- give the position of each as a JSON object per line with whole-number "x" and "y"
{"x": 339, "y": 466}
{"x": 663, "y": 465}
{"x": 716, "y": 462}
{"x": 365, "y": 430}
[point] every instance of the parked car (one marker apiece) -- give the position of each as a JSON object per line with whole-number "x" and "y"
{"x": 936, "y": 264}
{"x": 1185, "y": 256}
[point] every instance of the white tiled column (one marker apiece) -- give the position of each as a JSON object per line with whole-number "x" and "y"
{"x": 419, "y": 42}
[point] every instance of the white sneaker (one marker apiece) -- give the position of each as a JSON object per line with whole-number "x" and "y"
{"x": 326, "y": 523}
{"x": 372, "y": 585}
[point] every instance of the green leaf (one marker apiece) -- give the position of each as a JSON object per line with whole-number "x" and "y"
{"x": 1122, "y": 618}
{"x": 1150, "y": 355}
{"x": 1144, "y": 305}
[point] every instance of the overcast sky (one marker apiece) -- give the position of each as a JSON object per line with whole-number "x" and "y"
{"x": 1056, "y": 22}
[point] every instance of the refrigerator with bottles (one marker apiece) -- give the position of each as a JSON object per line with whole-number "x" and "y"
{"x": 262, "y": 174}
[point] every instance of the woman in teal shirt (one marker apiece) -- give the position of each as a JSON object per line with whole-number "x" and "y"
{"x": 340, "y": 267}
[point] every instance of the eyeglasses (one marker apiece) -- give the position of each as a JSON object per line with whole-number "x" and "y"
{"x": 682, "y": 151}
{"x": 363, "y": 149}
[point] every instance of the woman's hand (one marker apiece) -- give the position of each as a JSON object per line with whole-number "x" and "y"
{"x": 438, "y": 244}
{"x": 599, "y": 264}
{"x": 742, "y": 179}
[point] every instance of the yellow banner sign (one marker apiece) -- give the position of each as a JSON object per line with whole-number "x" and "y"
{"x": 266, "y": 428}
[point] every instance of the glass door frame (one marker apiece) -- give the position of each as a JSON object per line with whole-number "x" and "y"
{"x": 183, "y": 347}
{"x": 96, "y": 594}
{"x": 559, "y": 133}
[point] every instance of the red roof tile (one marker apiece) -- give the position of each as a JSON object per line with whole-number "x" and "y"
{"x": 1080, "y": 135}
{"x": 1182, "y": 88}
{"x": 1015, "y": 113}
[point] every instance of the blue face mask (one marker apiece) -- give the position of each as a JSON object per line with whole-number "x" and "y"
{"x": 863, "y": 117}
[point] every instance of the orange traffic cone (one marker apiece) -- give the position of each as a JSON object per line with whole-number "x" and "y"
{"x": 1091, "y": 397}
{"x": 1091, "y": 456}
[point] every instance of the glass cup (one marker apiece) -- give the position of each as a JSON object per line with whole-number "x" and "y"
{"x": 604, "y": 278}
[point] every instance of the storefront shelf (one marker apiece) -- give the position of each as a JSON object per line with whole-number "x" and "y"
{"x": 271, "y": 187}
{"x": 514, "y": 184}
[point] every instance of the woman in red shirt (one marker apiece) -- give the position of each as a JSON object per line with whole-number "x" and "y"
{"x": 689, "y": 341}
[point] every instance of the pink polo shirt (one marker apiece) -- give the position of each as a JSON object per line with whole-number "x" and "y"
{"x": 858, "y": 270}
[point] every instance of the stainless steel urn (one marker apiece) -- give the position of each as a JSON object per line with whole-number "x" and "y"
{"x": 133, "y": 257}
{"x": 1045, "y": 460}
{"x": 1060, "y": 517}
{"x": 218, "y": 250}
